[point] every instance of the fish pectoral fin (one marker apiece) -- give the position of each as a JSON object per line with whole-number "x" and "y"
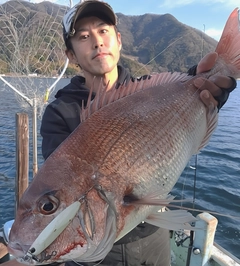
{"x": 154, "y": 198}
{"x": 172, "y": 220}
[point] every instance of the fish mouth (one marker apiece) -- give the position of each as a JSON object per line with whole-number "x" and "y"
{"x": 44, "y": 258}
{"x": 26, "y": 257}
{"x": 20, "y": 253}
{"x": 17, "y": 250}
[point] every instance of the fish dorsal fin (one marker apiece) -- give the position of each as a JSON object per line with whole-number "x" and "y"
{"x": 104, "y": 98}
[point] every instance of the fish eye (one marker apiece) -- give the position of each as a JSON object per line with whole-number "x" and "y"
{"x": 48, "y": 207}
{"x": 48, "y": 204}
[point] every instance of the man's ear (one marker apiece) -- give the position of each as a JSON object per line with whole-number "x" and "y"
{"x": 71, "y": 56}
{"x": 119, "y": 40}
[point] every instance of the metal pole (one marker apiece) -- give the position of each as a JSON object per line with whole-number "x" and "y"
{"x": 34, "y": 125}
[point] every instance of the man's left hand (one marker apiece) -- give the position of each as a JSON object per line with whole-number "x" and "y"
{"x": 216, "y": 89}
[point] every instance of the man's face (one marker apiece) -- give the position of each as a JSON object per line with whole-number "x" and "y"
{"x": 96, "y": 46}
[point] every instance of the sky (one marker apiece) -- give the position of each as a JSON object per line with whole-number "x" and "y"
{"x": 208, "y": 16}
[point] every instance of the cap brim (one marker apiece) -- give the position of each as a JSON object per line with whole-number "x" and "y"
{"x": 88, "y": 8}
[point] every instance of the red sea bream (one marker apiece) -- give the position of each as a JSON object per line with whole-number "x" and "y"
{"x": 118, "y": 167}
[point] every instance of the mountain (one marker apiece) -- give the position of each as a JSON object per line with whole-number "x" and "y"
{"x": 164, "y": 41}
{"x": 31, "y": 41}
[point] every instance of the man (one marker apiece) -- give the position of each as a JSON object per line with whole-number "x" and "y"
{"x": 94, "y": 44}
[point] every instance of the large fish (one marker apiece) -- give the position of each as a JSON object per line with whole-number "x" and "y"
{"x": 119, "y": 165}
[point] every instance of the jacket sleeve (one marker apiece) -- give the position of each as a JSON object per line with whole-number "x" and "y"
{"x": 58, "y": 122}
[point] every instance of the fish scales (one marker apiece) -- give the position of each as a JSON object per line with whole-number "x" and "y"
{"x": 153, "y": 146}
{"x": 132, "y": 144}
{"x": 161, "y": 134}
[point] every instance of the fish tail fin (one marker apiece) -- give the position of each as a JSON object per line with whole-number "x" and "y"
{"x": 228, "y": 47}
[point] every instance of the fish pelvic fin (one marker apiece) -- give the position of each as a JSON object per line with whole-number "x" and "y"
{"x": 172, "y": 220}
{"x": 228, "y": 47}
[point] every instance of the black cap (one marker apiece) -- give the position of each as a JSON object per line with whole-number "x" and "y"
{"x": 85, "y": 9}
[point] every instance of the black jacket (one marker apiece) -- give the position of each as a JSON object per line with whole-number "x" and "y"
{"x": 62, "y": 116}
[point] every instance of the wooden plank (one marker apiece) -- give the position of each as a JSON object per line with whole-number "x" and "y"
{"x": 22, "y": 154}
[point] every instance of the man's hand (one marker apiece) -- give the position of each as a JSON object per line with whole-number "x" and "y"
{"x": 215, "y": 90}
{"x": 12, "y": 263}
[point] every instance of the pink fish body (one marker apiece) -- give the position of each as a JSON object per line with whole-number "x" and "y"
{"x": 132, "y": 143}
